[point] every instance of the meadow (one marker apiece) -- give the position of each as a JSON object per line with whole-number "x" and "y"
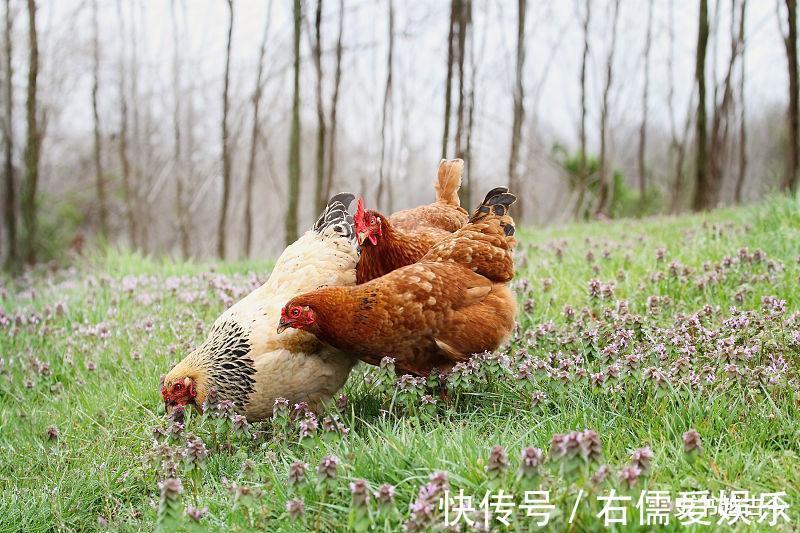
{"x": 654, "y": 358}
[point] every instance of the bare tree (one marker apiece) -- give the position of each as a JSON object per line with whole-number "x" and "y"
{"x": 316, "y": 50}
{"x": 718, "y": 139}
{"x": 703, "y": 193}
{"x": 790, "y": 42}
{"x": 337, "y": 81}
{"x": 464, "y": 21}
{"x": 645, "y": 95}
{"x": 10, "y": 203}
{"x": 518, "y": 108}
{"x": 677, "y": 146}
{"x": 254, "y": 137}
{"x": 100, "y": 182}
{"x": 742, "y": 110}
{"x": 32, "y": 142}
{"x": 294, "y": 136}
{"x": 465, "y": 192}
{"x": 127, "y": 190}
{"x": 455, "y": 9}
{"x": 383, "y": 174}
{"x": 583, "y": 177}
{"x": 226, "y": 149}
{"x": 140, "y": 181}
{"x": 605, "y": 188}
{"x": 180, "y": 201}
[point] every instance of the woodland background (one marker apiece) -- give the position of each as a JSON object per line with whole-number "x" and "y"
{"x": 202, "y": 128}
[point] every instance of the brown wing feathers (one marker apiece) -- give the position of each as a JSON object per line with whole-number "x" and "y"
{"x": 486, "y": 243}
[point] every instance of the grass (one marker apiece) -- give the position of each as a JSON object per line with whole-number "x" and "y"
{"x": 83, "y": 350}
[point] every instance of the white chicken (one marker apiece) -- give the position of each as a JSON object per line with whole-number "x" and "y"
{"x": 244, "y": 358}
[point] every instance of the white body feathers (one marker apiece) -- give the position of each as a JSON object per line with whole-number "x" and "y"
{"x": 294, "y": 364}
{"x": 245, "y": 358}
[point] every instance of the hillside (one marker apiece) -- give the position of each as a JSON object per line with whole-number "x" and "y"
{"x": 679, "y": 336}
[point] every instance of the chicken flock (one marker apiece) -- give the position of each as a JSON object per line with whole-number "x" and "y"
{"x": 427, "y": 286}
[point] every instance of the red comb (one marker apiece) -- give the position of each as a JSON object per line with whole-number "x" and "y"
{"x": 360, "y": 215}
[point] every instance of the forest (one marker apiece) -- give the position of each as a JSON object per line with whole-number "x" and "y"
{"x": 208, "y": 128}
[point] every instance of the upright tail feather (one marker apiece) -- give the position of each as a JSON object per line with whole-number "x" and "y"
{"x": 449, "y": 181}
{"x": 336, "y": 216}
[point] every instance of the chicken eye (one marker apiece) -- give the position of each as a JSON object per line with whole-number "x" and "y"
{"x": 295, "y": 312}
{"x": 372, "y": 219}
{"x": 178, "y": 386}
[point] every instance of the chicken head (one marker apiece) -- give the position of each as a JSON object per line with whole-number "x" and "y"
{"x": 367, "y": 224}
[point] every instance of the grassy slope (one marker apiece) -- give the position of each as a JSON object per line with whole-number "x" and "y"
{"x": 104, "y": 415}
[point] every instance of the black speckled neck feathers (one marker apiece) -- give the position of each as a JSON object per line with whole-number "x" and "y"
{"x": 228, "y": 363}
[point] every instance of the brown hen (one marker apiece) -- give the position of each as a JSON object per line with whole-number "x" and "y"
{"x": 404, "y": 237}
{"x": 433, "y": 314}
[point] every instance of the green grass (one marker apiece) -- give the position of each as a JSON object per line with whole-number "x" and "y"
{"x": 105, "y": 342}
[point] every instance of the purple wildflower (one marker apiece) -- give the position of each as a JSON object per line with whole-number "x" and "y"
{"x": 280, "y": 408}
{"x": 692, "y": 441}
{"x": 630, "y": 475}
{"x": 600, "y": 474}
{"x": 385, "y": 494}
{"x": 531, "y": 459}
{"x": 498, "y": 462}
{"x": 297, "y": 472}
{"x": 642, "y": 458}
{"x": 171, "y": 489}
{"x": 359, "y": 489}
{"x": 196, "y": 513}
{"x": 195, "y": 452}
{"x": 240, "y": 423}
{"x": 296, "y": 508}
{"x": 52, "y": 433}
{"x": 326, "y": 471}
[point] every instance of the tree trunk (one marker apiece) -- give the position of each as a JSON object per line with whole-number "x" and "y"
{"x": 514, "y": 183}
{"x": 337, "y": 81}
{"x": 718, "y": 140}
{"x": 383, "y": 174}
{"x": 142, "y": 207}
{"x": 464, "y": 19}
{"x": 319, "y": 183}
{"x": 294, "y": 137}
{"x": 254, "y": 136}
{"x": 790, "y": 41}
{"x": 178, "y": 95}
{"x": 100, "y": 182}
{"x": 742, "y": 110}
{"x": 583, "y": 176}
{"x": 703, "y": 192}
{"x": 226, "y": 154}
{"x": 32, "y": 143}
{"x": 643, "y": 128}
{"x": 125, "y": 165}
{"x": 605, "y": 187}
{"x": 465, "y": 192}
{"x": 10, "y": 203}
{"x": 673, "y": 128}
{"x": 455, "y": 9}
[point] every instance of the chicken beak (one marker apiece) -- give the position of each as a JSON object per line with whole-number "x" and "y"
{"x": 283, "y": 325}
{"x": 361, "y": 236}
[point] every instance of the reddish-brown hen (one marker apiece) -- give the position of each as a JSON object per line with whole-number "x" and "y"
{"x": 403, "y": 238}
{"x": 433, "y": 314}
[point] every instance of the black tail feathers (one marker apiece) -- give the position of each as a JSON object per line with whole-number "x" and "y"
{"x": 497, "y": 202}
{"x": 337, "y": 217}
{"x": 494, "y": 192}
